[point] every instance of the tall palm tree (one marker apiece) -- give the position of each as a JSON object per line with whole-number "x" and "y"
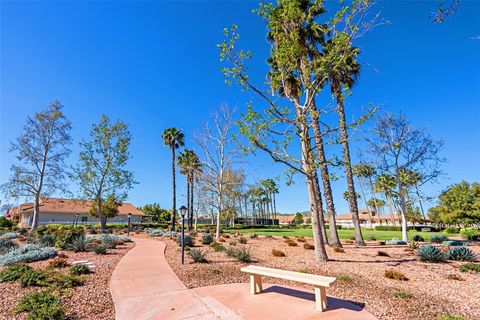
{"x": 342, "y": 70}
{"x": 174, "y": 139}
{"x": 386, "y": 184}
{"x": 189, "y": 164}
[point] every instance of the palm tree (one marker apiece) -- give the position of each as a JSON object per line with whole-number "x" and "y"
{"x": 342, "y": 70}
{"x": 362, "y": 171}
{"x": 174, "y": 139}
{"x": 386, "y": 184}
{"x": 190, "y": 166}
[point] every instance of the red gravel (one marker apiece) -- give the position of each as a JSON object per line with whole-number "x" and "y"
{"x": 434, "y": 293}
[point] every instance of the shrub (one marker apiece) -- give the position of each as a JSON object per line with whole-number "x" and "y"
{"x": 402, "y": 294}
{"x": 349, "y": 241}
{"x": 291, "y": 244}
{"x": 381, "y": 243}
{"x": 338, "y": 249}
{"x": 155, "y": 232}
{"x": 470, "y": 267}
{"x": 207, "y": 239}
{"x": 193, "y": 234}
{"x": 241, "y": 254}
{"x": 59, "y": 280}
{"x": 382, "y": 254}
{"x": 34, "y": 277}
{"x": 395, "y": 275}
{"x": 461, "y": 254}
{"x": 47, "y": 240}
{"x": 277, "y": 253}
{"x": 286, "y": 237}
{"x": 452, "y": 243}
{"x": 7, "y": 245}
{"x": 453, "y": 276}
{"x": 41, "y": 305}
{"x": 5, "y": 223}
{"x": 470, "y": 234}
{"x": 388, "y": 228}
{"x": 344, "y": 278}
{"x": 226, "y": 236}
{"x": 188, "y": 241}
{"x": 65, "y": 235}
{"x": 242, "y": 240}
{"x": 449, "y": 317}
{"x": 413, "y": 245}
{"x": 395, "y": 241}
{"x": 452, "y": 230}
{"x": 418, "y": 238}
{"x": 80, "y": 269}
{"x": 77, "y": 243}
{"x": 438, "y": 238}
{"x": 99, "y": 249}
{"x": 58, "y": 263}
{"x": 372, "y": 237}
{"x": 268, "y": 236}
{"x": 233, "y": 243}
{"x": 301, "y": 239}
{"x": 221, "y": 240}
{"x": 308, "y": 246}
{"x": 198, "y": 256}
{"x": 253, "y": 235}
{"x": 10, "y": 235}
{"x": 430, "y": 253}
{"x": 14, "y": 272}
{"x": 27, "y": 253}
{"x": 217, "y": 246}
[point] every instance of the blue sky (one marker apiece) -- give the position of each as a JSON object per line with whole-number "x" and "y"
{"x": 156, "y": 65}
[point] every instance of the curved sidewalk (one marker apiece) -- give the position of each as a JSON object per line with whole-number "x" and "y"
{"x": 144, "y": 287}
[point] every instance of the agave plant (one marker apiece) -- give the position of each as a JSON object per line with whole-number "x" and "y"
{"x": 430, "y": 253}
{"x": 461, "y": 254}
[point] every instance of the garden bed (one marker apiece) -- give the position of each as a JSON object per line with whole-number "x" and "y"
{"x": 433, "y": 289}
{"x": 90, "y": 301}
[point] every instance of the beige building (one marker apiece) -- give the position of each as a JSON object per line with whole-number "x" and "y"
{"x": 65, "y": 211}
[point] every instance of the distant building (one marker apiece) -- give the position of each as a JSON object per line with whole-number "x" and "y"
{"x": 370, "y": 219}
{"x": 64, "y": 211}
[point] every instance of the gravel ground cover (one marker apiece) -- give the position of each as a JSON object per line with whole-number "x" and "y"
{"x": 91, "y": 301}
{"x": 432, "y": 289}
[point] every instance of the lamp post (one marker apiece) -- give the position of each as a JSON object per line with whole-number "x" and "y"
{"x": 183, "y": 211}
{"x": 75, "y": 221}
{"x": 129, "y": 217}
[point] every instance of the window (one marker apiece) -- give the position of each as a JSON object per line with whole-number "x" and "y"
{"x": 84, "y": 219}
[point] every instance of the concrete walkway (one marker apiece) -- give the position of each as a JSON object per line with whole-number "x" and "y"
{"x": 144, "y": 287}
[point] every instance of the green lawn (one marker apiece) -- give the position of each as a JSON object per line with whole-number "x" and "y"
{"x": 342, "y": 233}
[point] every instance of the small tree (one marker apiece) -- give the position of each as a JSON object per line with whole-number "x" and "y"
{"x": 298, "y": 219}
{"x": 101, "y": 170}
{"x": 109, "y": 207}
{"x": 400, "y": 149}
{"x": 41, "y": 150}
{"x": 154, "y": 210}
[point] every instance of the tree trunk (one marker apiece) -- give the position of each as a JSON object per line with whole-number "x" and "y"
{"x": 274, "y": 207}
{"x": 352, "y": 196}
{"x": 319, "y": 204}
{"x": 334, "y": 240}
{"x": 174, "y": 207}
{"x": 36, "y": 213}
{"x": 101, "y": 217}
{"x": 421, "y": 205}
{"x": 403, "y": 208}
{"x": 373, "y": 195}
{"x": 191, "y": 201}
{"x": 365, "y": 201}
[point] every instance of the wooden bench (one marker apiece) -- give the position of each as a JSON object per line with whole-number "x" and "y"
{"x": 320, "y": 283}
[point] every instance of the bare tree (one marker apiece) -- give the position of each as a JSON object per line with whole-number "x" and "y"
{"x": 400, "y": 149}
{"x": 221, "y": 151}
{"x": 41, "y": 150}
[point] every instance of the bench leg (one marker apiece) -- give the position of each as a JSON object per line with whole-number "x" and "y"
{"x": 255, "y": 284}
{"x": 320, "y": 298}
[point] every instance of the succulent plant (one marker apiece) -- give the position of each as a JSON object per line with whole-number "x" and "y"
{"x": 461, "y": 254}
{"x": 207, "y": 239}
{"x": 452, "y": 243}
{"x": 430, "y": 253}
{"x": 418, "y": 238}
{"x": 439, "y": 238}
{"x": 188, "y": 241}
{"x": 395, "y": 241}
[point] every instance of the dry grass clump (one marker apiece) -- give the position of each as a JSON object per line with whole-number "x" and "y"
{"x": 382, "y": 254}
{"x": 291, "y": 243}
{"x": 225, "y": 235}
{"x": 395, "y": 275}
{"x": 308, "y": 246}
{"x": 301, "y": 239}
{"x": 349, "y": 241}
{"x": 221, "y": 240}
{"x": 453, "y": 276}
{"x": 58, "y": 263}
{"x": 286, "y": 237}
{"x": 278, "y": 253}
{"x": 338, "y": 249}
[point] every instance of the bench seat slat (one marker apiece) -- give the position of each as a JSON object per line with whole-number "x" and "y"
{"x": 290, "y": 275}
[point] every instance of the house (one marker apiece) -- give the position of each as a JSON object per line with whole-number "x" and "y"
{"x": 65, "y": 211}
